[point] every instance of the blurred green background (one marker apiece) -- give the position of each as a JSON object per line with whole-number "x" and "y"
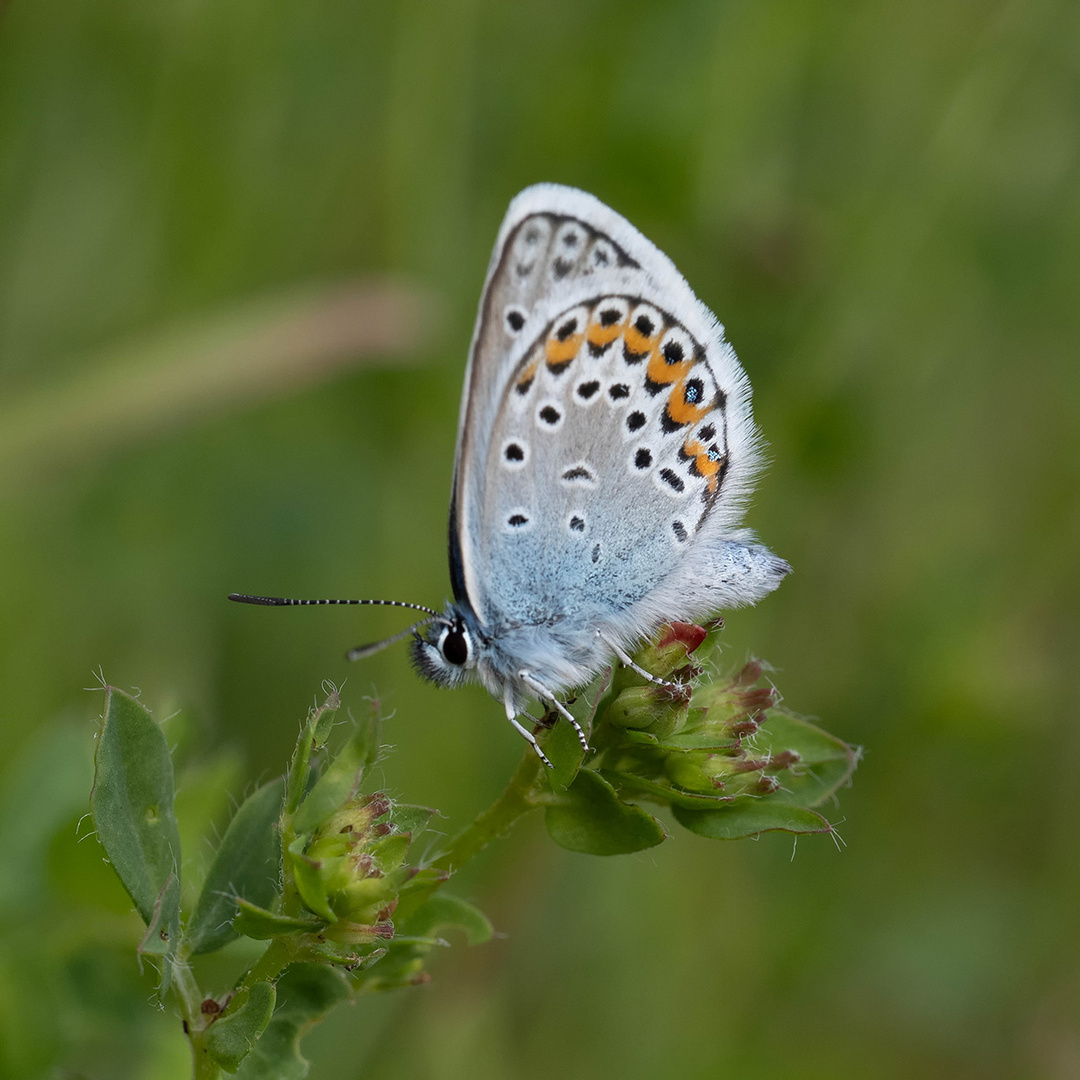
{"x": 880, "y": 201}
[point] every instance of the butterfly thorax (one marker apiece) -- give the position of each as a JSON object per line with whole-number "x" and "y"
{"x": 557, "y": 651}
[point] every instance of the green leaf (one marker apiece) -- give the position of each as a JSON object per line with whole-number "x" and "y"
{"x": 390, "y": 852}
{"x": 321, "y": 721}
{"x": 256, "y": 922}
{"x": 665, "y": 792}
{"x": 132, "y": 807}
{"x": 590, "y": 817}
{"x": 203, "y": 804}
{"x": 826, "y": 762}
{"x": 564, "y": 751}
{"x": 158, "y": 941}
{"x": 247, "y": 864}
{"x": 313, "y": 734}
{"x": 411, "y": 819}
{"x": 307, "y": 992}
{"x": 444, "y": 910}
{"x": 231, "y": 1037}
{"x": 341, "y": 778}
{"x": 310, "y": 881}
{"x": 749, "y": 816}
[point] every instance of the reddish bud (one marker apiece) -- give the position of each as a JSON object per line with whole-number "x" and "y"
{"x": 744, "y": 727}
{"x": 784, "y": 760}
{"x": 767, "y": 785}
{"x": 748, "y": 674}
{"x": 687, "y": 634}
{"x": 749, "y": 765}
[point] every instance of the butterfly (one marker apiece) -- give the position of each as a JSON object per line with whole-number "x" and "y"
{"x": 605, "y": 454}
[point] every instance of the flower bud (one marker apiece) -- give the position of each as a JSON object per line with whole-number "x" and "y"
{"x": 691, "y": 772}
{"x": 352, "y": 867}
{"x": 356, "y": 933}
{"x": 649, "y": 708}
{"x": 671, "y": 649}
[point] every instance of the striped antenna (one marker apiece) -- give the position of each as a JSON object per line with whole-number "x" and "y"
{"x": 283, "y": 601}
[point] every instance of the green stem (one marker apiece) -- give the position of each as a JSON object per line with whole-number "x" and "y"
{"x": 519, "y": 798}
{"x": 190, "y": 999}
{"x": 187, "y": 991}
{"x": 278, "y": 956}
{"x": 203, "y": 1066}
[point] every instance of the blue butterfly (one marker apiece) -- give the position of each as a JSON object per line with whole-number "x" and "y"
{"x": 605, "y": 453}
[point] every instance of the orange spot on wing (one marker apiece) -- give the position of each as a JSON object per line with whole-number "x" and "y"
{"x": 661, "y": 372}
{"x": 682, "y": 411}
{"x": 637, "y": 342}
{"x": 527, "y": 376}
{"x": 600, "y": 335}
{"x": 704, "y": 465}
{"x": 562, "y": 352}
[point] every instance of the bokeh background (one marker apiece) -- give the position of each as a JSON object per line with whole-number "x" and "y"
{"x": 241, "y": 246}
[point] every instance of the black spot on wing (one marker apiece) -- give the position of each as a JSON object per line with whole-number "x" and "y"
{"x": 672, "y": 479}
{"x": 673, "y": 351}
{"x": 577, "y": 472}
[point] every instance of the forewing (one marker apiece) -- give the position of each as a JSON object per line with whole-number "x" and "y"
{"x": 605, "y": 427}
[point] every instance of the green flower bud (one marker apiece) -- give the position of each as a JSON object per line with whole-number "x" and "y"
{"x": 649, "y": 708}
{"x": 357, "y": 933}
{"x": 692, "y": 772}
{"x": 352, "y": 867}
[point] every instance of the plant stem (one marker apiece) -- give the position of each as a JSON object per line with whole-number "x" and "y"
{"x": 278, "y": 956}
{"x": 519, "y": 798}
{"x": 203, "y": 1066}
{"x": 190, "y": 998}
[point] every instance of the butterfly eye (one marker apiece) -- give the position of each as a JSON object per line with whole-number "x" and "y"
{"x": 455, "y": 647}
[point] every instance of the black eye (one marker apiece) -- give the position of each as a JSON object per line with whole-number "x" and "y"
{"x": 455, "y": 648}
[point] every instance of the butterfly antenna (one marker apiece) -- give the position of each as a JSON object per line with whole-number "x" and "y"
{"x": 284, "y": 601}
{"x": 361, "y": 652}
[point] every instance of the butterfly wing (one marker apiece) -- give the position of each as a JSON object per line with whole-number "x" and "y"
{"x": 606, "y": 444}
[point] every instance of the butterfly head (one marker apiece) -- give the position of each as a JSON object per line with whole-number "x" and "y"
{"x": 444, "y": 650}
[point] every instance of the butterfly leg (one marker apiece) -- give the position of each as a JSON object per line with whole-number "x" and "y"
{"x": 626, "y": 659}
{"x": 545, "y": 694}
{"x": 525, "y": 733}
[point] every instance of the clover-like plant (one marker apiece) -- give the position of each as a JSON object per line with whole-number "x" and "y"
{"x": 325, "y": 871}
